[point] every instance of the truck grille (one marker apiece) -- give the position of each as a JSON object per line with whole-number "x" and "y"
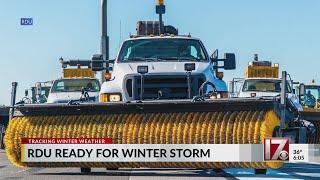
{"x": 162, "y": 86}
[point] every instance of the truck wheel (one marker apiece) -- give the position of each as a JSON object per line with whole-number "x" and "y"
{"x": 85, "y": 170}
{"x": 260, "y": 171}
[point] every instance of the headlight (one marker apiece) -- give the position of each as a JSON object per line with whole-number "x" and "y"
{"x": 112, "y": 97}
{"x": 224, "y": 94}
{"x": 219, "y": 95}
{"x": 115, "y": 98}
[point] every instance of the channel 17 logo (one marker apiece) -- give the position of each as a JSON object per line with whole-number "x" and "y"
{"x": 276, "y": 149}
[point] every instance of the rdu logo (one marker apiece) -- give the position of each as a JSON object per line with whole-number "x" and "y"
{"x": 26, "y": 21}
{"x": 276, "y": 149}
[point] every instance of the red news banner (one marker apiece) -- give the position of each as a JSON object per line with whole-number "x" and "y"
{"x": 66, "y": 141}
{"x": 103, "y": 150}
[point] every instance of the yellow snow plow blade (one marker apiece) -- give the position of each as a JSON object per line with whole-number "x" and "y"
{"x": 216, "y": 122}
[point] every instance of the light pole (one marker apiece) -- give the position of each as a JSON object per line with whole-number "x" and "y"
{"x": 104, "y": 36}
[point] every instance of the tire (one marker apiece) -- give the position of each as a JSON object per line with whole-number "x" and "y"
{"x": 85, "y": 170}
{"x": 260, "y": 171}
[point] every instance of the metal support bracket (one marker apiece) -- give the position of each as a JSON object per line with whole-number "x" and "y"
{"x": 283, "y": 101}
{"x": 189, "y": 84}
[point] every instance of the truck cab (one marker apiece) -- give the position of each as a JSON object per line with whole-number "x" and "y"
{"x": 38, "y": 93}
{"x": 165, "y": 57}
{"x": 262, "y": 80}
{"x": 309, "y": 95}
{"x": 76, "y": 84}
{"x": 262, "y": 87}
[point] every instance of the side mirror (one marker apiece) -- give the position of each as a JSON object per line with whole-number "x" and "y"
{"x": 111, "y": 61}
{"x": 26, "y": 93}
{"x": 111, "y": 64}
{"x": 229, "y": 61}
{"x": 231, "y": 86}
{"x": 97, "y": 63}
{"x": 302, "y": 90}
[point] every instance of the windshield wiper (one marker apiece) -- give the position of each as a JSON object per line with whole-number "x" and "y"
{"x": 180, "y": 58}
{"x": 153, "y": 59}
{"x": 161, "y": 59}
{"x": 143, "y": 59}
{"x": 187, "y": 58}
{"x": 135, "y": 59}
{"x": 168, "y": 58}
{"x": 91, "y": 90}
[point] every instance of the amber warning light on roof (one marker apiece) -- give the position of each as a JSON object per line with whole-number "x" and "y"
{"x": 160, "y": 2}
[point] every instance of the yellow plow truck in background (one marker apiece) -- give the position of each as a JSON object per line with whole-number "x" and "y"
{"x": 206, "y": 117}
{"x": 78, "y": 83}
{"x": 309, "y": 96}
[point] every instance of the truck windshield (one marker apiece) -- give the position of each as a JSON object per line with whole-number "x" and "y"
{"x": 162, "y": 50}
{"x": 259, "y": 85}
{"x": 311, "y": 97}
{"x": 75, "y": 85}
{"x": 313, "y": 90}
